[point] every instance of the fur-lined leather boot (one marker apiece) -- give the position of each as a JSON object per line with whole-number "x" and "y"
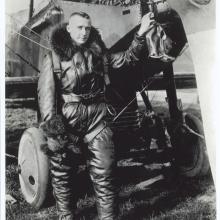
{"x": 62, "y": 172}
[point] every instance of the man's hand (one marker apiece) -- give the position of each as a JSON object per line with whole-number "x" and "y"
{"x": 146, "y": 22}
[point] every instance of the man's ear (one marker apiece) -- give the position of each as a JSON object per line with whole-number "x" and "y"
{"x": 68, "y": 28}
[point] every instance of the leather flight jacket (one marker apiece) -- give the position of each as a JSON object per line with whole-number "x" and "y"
{"x": 81, "y": 84}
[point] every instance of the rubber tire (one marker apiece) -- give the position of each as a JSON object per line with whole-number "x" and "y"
{"x": 33, "y": 167}
{"x": 199, "y": 165}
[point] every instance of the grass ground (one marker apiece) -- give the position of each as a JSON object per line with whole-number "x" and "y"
{"x": 171, "y": 198}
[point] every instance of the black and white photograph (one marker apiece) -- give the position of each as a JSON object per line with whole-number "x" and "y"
{"x": 107, "y": 114}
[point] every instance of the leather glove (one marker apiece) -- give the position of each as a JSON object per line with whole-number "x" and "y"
{"x": 54, "y": 131}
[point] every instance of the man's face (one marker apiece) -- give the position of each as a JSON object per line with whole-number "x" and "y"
{"x": 79, "y": 29}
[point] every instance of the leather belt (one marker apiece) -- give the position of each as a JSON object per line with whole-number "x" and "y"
{"x": 71, "y": 98}
{"x": 83, "y": 98}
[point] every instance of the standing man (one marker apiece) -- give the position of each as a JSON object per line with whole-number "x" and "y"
{"x": 81, "y": 54}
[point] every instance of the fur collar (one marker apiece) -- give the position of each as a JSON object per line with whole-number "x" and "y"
{"x": 65, "y": 48}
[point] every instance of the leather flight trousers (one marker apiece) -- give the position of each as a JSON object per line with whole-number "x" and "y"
{"x": 102, "y": 167}
{"x": 102, "y": 170}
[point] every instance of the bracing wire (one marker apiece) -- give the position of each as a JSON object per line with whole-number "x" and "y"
{"x": 22, "y": 58}
{"x": 47, "y": 48}
{"x": 121, "y": 112}
{"x": 25, "y": 26}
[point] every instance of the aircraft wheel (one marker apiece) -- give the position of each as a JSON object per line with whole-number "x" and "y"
{"x": 33, "y": 167}
{"x": 190, "y": 154}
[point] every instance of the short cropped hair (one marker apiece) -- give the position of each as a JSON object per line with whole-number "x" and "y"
{"x": 81, "y": 14}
